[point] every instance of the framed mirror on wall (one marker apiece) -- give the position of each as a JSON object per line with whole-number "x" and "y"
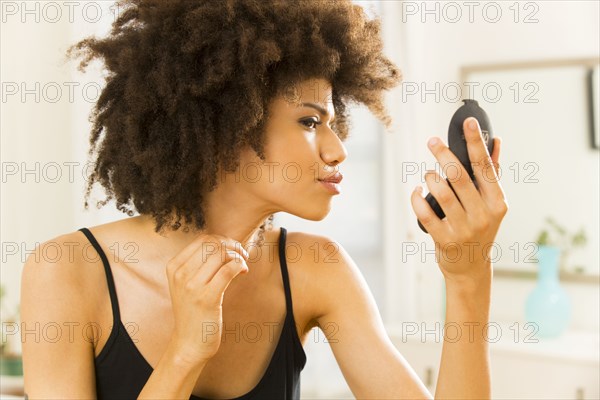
{"x": 545, "y": 112}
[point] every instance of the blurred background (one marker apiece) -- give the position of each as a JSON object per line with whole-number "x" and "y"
{"x": 532, "y": 65}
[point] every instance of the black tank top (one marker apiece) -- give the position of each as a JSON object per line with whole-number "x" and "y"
{"x": 121, "y": 370}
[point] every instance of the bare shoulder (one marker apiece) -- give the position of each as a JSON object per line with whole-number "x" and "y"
{"x": 62, "y": 255}
{"x": 324, "y": 272}
{"x": 61, "y": 268}
{"x": 316, "y": 253}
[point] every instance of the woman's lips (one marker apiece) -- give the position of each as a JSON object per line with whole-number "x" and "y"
{"x": 336, "y": 178}
{"x": 332, "y": 183}
{"x": 332, "y": 186}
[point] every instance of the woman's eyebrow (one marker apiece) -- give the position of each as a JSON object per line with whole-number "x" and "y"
{"x": 317, "y": 107}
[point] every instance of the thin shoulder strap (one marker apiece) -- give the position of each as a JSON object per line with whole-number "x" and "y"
{"x": 109, "y": 277}
{"x": 284, "y": 271}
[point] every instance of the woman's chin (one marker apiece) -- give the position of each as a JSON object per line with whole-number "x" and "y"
{"x": 316, "y": 213}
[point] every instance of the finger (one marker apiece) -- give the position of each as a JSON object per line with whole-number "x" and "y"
{"x": 496, "y": 155}
{"x": 459, "y": 178}
{"x": 495, "y": 159}
{"x": 207, "y": 243}
{"x": 207, "y": 260}
{"x": 224, "y": 276}
{"x": 209, "y": 269}
{"x": 439, "y": 188}
{"x": 481, "y": 161}
{"x": 431, "y": 222}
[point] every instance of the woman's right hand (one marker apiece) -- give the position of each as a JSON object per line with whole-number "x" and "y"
{"x": 198, "y": 277}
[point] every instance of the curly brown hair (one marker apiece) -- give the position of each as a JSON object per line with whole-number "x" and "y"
{"x": 189, "y": 83}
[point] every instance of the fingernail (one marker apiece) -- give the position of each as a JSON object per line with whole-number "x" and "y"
{"x": 473, "y": 124}
{"x": 433, "y": 141}
{"x": 418, "y": 189}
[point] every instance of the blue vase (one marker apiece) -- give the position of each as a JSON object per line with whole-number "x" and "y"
{"x": 548, "y": 305}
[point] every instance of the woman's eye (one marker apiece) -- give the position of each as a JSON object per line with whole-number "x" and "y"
{"x": 310, "y": 123}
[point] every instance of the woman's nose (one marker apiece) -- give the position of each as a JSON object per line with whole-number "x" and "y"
{"x": 333, "y": 151}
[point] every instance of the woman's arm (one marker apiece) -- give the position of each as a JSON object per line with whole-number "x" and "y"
{"x": 58, "y": 363}
{"x": 465, "y": 365}
{"x": 346, "y": 312}
{"x": 173, "y": 378}
{"x": 371, "y": 364}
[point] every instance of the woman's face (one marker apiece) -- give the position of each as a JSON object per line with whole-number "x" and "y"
{"x": 300, "y": 149}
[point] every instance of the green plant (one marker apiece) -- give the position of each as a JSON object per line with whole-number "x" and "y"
{"x": 556, "y": 235}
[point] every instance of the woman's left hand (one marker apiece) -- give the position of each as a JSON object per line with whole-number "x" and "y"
{"x": 464, "y": 238}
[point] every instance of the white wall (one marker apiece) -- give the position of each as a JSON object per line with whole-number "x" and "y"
{"x": 36, "y": 137}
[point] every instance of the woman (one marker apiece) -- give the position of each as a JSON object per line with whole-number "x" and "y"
{"x": 215, "y": 115}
